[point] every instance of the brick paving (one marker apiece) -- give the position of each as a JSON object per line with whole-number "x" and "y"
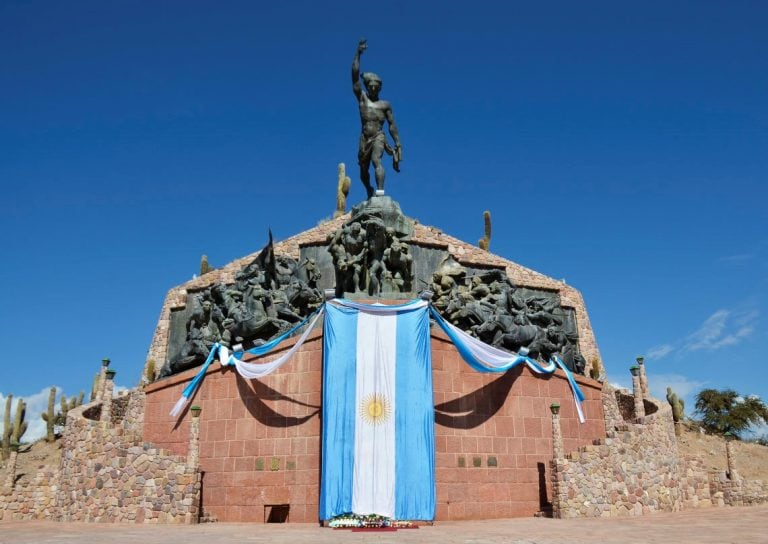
{"x": 703, "y": 526}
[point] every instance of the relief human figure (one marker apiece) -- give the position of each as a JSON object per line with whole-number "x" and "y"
{"x": 349, "y": 249}
{"x": 373, "y": 113}
{"x": 398, "y": 261}
{"x": 313, "y": 273}
{"x": 378, "y": 240}
{"x": 202, "y": 332}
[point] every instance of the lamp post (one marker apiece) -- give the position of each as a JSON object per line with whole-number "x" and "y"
{"x": 730, "y": 458}
{"x": 106, "y": 400}
{"x": 643, "y": 378}
{"x": 102, "y": 378}
{"x": 558, "y": 464}
{"x": 558, "y": 451}
{"x": 193, "y": 452}
{"x": 637, "y": 391}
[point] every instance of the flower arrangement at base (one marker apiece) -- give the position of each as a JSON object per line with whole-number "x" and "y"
{"x": 368, "y": 521}
{"x": 345, "y": 521}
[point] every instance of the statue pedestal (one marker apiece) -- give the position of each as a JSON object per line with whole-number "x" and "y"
{"x": 388, "y": 299}
{"x": 387, "y": 210}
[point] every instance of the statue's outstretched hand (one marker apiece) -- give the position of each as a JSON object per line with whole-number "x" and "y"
{"x": 362, "y": 45}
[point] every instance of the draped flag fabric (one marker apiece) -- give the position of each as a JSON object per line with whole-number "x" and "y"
{"x": 251, "y": 371}
{"x": 248, "y": 370}
{"x": 378, "y": 413}
{"x": 485, "y": 358}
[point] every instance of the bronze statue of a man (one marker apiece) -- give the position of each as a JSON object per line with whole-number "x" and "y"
{"x": 373, "y": 113}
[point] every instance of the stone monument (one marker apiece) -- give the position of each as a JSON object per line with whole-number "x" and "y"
{"x": 372, "y": 254}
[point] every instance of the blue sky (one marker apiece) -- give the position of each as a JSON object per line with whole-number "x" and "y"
{"x": 621, "y": 147}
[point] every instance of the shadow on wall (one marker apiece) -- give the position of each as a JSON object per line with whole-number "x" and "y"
{"x": 626, "y": 404}
{"x": 544, "y": 504}
{"x": 253, "y": 394}
{"x": 479, "y": 406}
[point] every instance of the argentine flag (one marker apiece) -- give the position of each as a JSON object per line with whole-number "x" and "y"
{"x": 378, "y": 414}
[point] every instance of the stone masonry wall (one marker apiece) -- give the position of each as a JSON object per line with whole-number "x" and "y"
{"x": 33, "y": 499}
{"x": 635, "y": 470}
{"x": 109, "y": 474}
{"x": 739, "y": 492}
{"x": 694, "y": 484}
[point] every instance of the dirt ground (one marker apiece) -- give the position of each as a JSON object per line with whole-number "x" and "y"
{"x": 35, "y": 456}
{"x": 751, "y": 459}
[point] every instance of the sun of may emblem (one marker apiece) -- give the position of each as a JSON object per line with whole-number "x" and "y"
{"x": 375, "y": 409}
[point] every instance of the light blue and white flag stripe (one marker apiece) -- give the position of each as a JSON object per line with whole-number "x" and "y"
{"x": 378, "y": 414}
{"x": 247, "y": 370}
{"x": 190, "y": 389}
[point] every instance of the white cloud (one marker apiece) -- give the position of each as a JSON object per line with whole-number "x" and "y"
{"x": 735, "y": 338}
{"x": 757, "y": 431}
{"x": 709, "y": 333}
{"x": 746, "y": 318}
{"x": 739, "y": 258}
{"x": 683, "y": 386}
{"x": 37, "y": 403}
{"x": 119, "y": 389}
{"x": 659, "y": 352}
{"x": 722, "y": 329}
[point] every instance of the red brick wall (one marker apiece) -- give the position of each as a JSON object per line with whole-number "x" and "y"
{"x": 247, "y": 425}
{"x": 506, "y": 419}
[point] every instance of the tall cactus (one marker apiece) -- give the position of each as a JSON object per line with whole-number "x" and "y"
{"x": 678, "y": 408}
{"x": 7, "y": 428}
{"x": 149, "y": 371}
{"x": 74, "y": 402}
{"x": 485, "y": 242}
{"x": 342, "y": 190}
{"x": 96, "y": 385}
{"x": 49, "y": 416}
{"x": 59, "y": 419}
{"x": 204, "y": 266}
{"x": 595, "y": 369}
{"x": 19, "y": 425}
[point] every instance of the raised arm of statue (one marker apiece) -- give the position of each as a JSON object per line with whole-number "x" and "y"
{"x": 356, "y": 87}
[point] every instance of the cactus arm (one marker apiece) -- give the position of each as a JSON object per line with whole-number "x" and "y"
{"x": 342, "y": 190}
{"x": 19, "y": 425}
{"x": 7, "y": 429}
{"x": 49, "y": 417}
{"x": 485, "y": 242}
{"x": 95, "y": 386}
